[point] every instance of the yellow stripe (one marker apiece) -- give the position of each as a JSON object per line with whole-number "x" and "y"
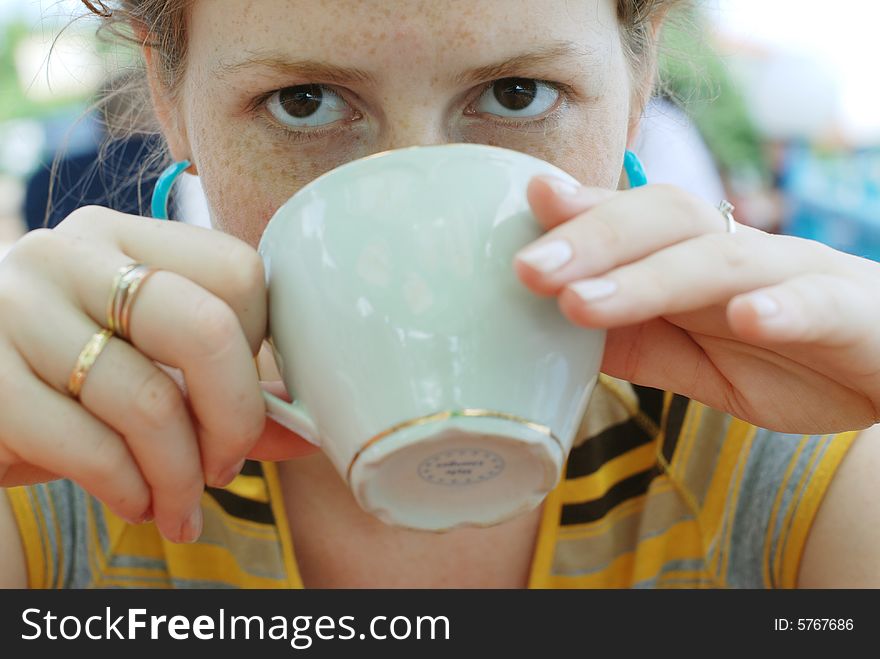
{"x": 809, "y": 506}
{"x": 634, "y": 566}
{"x": 730, "y": 513}
{"x": 26, "y": 514}
{"x": 793, "y": 504}
{"x": 599, "y": 482}
{"x": 249, "y": 487}
{"x": 689, "y": 433}
{"x": 545, "y": 543}
{"x": 630, "y": 506}
{"x": 712, "y": 510}
{"x": 44, "y": 533}
{"x": 679, "y": 542}
{"x": 768, "y": 536}
{"x": 276, "y": 499}
{"x": 704, "y": 580}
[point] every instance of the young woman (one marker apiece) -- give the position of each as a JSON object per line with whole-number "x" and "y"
{"x": 770, "y": 334}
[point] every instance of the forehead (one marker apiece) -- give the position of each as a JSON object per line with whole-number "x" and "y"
{"x": 385, "y": 33}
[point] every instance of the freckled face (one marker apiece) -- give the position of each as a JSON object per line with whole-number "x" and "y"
{"x": 276, "y": 93}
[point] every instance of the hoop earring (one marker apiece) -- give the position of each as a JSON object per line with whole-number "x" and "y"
{"x": 159, "y": 203}
{"x": 634, "y": 169}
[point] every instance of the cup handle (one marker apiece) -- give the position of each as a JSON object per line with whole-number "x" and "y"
{"x": 292, "y": 416}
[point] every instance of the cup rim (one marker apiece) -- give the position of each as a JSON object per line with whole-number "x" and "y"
{"x": 476, "y": 146}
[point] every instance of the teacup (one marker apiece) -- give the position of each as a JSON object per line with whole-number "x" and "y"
{"x": 445, "y": 393}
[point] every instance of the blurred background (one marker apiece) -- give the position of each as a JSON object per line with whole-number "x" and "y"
{"x": 771, "y": 104}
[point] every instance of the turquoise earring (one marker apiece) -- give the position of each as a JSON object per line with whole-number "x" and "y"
{"x": 634, "y": 169}
{"x": 159, "y": 203}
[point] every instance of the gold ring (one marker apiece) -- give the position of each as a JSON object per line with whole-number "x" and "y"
{"x": 126, "y": 283}
{"x": 86, "y": 360}
{"x": 727, "y": 209}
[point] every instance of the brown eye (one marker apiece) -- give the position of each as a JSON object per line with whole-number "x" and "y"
{"x": 305, "y": 106}
{"x": 301, "y": 101}
{"x": 517, "y": 97}
{"x": 515, "y": 93}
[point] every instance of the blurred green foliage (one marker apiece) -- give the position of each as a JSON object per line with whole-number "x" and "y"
{"x": 695, "y": 76}
{"x": 14, "y": 103}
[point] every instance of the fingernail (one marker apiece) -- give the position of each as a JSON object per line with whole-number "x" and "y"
{"x": 191, "y": 529}
{"x": 230, "y": 475}
{"x": 547, "y": 257}
{"x": 764, "y": 305}
{"x": 591, "y": 290}
{"x": 147, "y": 516}
{"x": 561, "y": 187}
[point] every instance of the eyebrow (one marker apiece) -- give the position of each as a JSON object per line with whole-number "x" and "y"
{"x": 330, "y": 73}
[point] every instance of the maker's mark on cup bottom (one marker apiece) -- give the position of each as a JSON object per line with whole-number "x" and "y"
{"x": 461, "y": 466}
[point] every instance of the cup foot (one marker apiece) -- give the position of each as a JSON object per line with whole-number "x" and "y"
{"x": 457, "y": 471}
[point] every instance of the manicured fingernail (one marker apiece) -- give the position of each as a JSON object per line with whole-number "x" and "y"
{"x": 547, "y": 257}
{"x": 764, "y": 305}
{"x": 561, "y": 187}
{"x": 230, "y": 475}
{"x": 591, "y": 290}
{"x": 192, "y": 527}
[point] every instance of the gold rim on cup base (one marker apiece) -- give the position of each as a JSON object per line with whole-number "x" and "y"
{"x": 443, "y": 416}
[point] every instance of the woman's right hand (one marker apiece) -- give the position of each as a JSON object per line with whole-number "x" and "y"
{"x": 134, "y": 440}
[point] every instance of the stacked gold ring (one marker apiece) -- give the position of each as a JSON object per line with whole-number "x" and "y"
{"x": 125, "y": 286}
{"x": 86, "y": 360}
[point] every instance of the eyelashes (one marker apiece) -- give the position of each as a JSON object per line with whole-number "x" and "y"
{"x": 311, "y": 111}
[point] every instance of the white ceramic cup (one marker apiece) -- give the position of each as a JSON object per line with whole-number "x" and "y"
{"x": 445, "y": 393}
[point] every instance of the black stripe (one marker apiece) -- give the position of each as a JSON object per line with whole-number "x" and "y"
{"x": 674, "y": 419}
{"x": 237, "y": 506}
{"x": 650, "y": 402}
{"x": 596, "y": 509}
{"x": 607, "y": 445}
{"x": 252, "y": 468}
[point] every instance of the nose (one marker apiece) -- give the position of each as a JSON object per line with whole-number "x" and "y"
{"x": 417, "y": 126}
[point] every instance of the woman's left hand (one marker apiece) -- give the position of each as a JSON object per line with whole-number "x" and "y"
{"x": 779, "y": 331}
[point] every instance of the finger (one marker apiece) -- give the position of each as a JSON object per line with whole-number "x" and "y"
{"x": 24, "y": 474}
{"x": 828, "y": 310}
{"x": 218, "y": 262}
{"x": 44, "y": 428}
{"x": 126, "y": 391}
{"x": 721, "y": 373}
{"x": 626, "y": 227}
{"x": 698, "y": 273}
{"x": 177, "y": 322}
{"x": 659, "y": 354}
{"x": 554, "y": 200}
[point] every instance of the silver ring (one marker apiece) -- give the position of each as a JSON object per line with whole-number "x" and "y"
{"x": 727, "y": 209}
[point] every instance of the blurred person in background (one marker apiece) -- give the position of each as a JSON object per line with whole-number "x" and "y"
{"x": 729, "y": 442}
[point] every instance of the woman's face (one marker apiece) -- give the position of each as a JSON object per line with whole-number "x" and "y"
{"x": 276, "y": 93}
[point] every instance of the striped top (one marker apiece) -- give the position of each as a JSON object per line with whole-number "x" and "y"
{"x": 659, "y": 492}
